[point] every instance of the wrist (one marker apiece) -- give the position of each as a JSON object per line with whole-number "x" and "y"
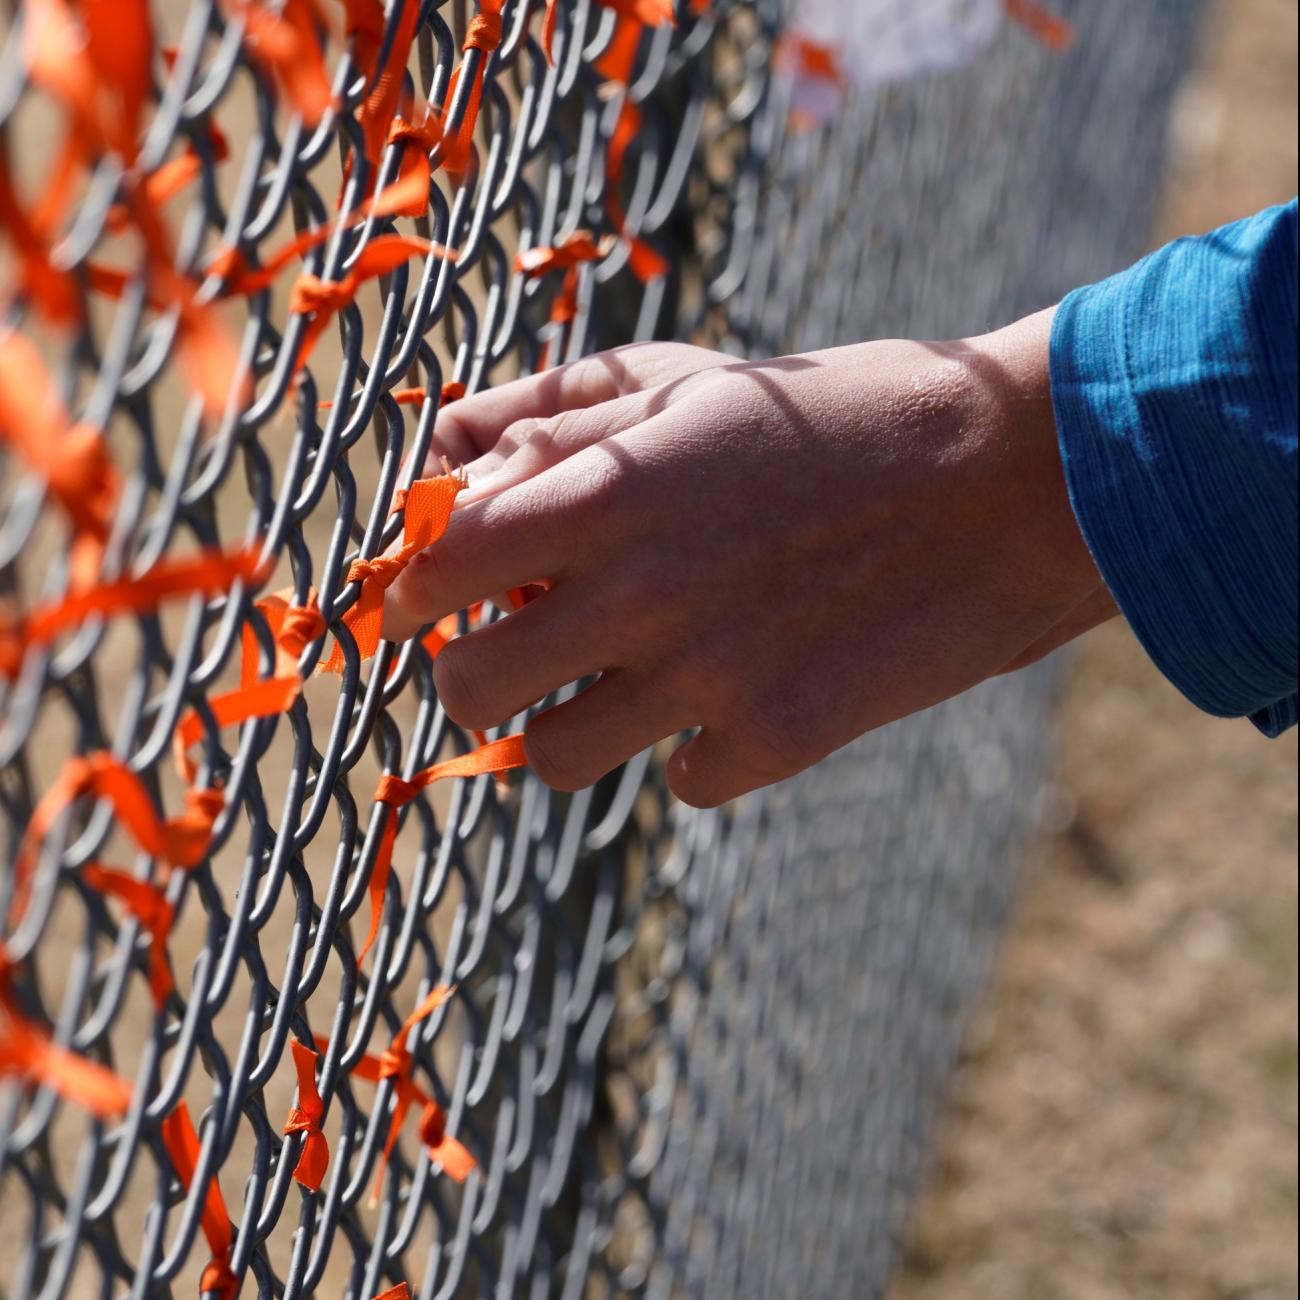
{"x": 1012, "y": 367}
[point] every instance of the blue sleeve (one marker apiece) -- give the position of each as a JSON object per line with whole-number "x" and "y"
{"x": 1174, "y": 388}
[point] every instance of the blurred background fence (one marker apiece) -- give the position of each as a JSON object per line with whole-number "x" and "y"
{"x": 692, "y": 1054}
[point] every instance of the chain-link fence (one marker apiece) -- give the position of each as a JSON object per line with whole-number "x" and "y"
{"x": 688, "y": 1053}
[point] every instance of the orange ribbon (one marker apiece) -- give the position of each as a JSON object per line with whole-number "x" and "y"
{"x": 182, "y": 1144}
{"x": 28, "y": 1054}
{"x": 451, "y": 392}
{"x": 150, "y": 907}
{"x": 375, "y": 113}
{"x": 293, "y": 629}
{"x": 205, "y": 350}
{"x": 399, "y": 1292}
{"x": 306, "y": 1118}
{"x": 642, "y": 13}
{"x": 396, "y": 1064}
{"x": 96, "y": 61}
{"x": 73, "y": 459}
{"x": 170, "y": 179}
{"x": 204, "y": 574}
{"x": 179, "y": 841}
{"x": 484, "y": 34}
{"x": 578, "y": 248}
{"x": 406, "y": 196}
{"x": 1055, "y": 32}
{"x": 284, "y": 40}
{"x": 496, "y": 757}
{"x": 797, "y": 54}
{"x": 320, "y": 300}
{"x": 52, "y": 291}
{"x": 646, "y": 264}
{"x": 428, "y": 504}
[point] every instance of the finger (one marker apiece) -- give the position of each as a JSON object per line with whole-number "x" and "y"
{"x": 492, "y": 674}
{"x": 475, "y": 423}
{"x": 713, "y": 767}
{"x": 530, "y": 447}
{"x": 1090, "y": 613}
{"x": 576, "y": 743}
{"x": 509, "y": 540}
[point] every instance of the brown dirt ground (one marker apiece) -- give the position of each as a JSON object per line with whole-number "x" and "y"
{"x": 1123, "y": 1125}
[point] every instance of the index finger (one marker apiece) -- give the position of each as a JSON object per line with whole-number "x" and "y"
{"x": 469, "y": 428}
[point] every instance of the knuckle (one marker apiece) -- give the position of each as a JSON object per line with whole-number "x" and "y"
{"x": 462, "y": 686}
{"x": 528, "y": 431}
{"x": 596, "y": 502}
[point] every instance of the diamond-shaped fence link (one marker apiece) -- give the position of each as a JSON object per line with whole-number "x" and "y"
{"x": 689, "y": 1054}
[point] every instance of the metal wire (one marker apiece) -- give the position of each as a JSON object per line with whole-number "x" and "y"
{"x": 693, "y": 1053}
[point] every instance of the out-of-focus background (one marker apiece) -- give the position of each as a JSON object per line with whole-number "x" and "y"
{"x": 1123, "y": 1125}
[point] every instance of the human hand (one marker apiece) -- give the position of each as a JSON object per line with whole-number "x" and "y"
{"x": 784, "y": 554}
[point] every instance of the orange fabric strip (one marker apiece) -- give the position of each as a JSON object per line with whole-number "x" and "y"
{"x": 428, "y": 504}
{"x": 169, "y": 180}
{"x": 205, "y": 574}
{"x": 1056, "y": 33}
{"x": 150, "y": 907}
{"x": 119, "y": 41}
{"x": 645, "y": 262}
{"x": 187, "y": 836}
{"x": 399, "y": 1292}
{"x": 619, "y": 60}
{"x": 645, "y": 13}
{"x": 73, "y": 459}
{"x": 376, "y": 112}
{"x": 650, "y": 13}
{"x": 406, "y": 196}
{"x": 260, "y": 700}
{"x": 28, "y": 1054}
{"x": 180, "y": 841}
{"x": 96, "y": 61}
{"x": 321, "y": 300}
{"x": 284, "y": 40}
{"x": 402, "y": 396}
{"x": 396, "y": 1063}
{"x": 578, "y": 247}
{"x": 444, "y": 630}
{"x": 293, "y": 627}
{"x": 805, "y": 58}
{"x": 53, "y": 292}
{"x": 306, "y": 1117}
{"x": 496, "y": 757}
{"x": 205, "y": 349}
{"x": 182, "y": 1144}
{"x": 484, "y": 34}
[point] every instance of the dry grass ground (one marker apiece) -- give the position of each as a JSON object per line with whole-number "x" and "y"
{"x": 1124, "y": 1124}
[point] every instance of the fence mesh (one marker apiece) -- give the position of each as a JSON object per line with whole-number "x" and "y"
{"x": 688, "y": 1053}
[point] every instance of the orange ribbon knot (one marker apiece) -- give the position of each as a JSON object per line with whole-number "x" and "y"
{"x": 395, "y": 1063}
{"x": 428, "y": 503}
{"x": 306, "y": 1118}
{"x": 394, "y": 793}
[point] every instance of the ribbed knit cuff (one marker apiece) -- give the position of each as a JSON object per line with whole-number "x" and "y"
{"x": 1173, "y": 386}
